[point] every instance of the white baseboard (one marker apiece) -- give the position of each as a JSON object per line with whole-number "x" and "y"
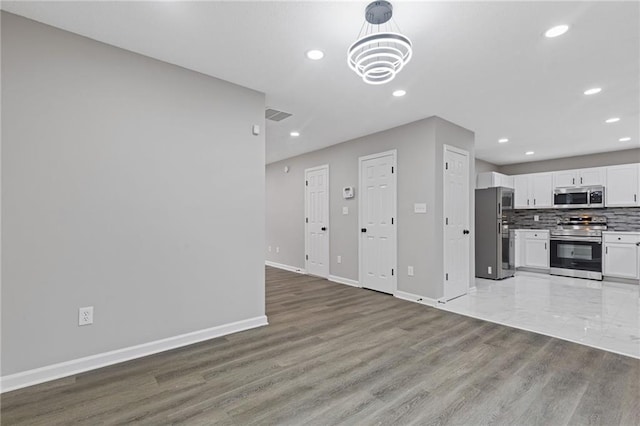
{"x": 473, "y": 289}
{"x": 341, "y": 280}
{"x": 69, "y": 368}
{"x": 415, "y": 298}
{"x": 285, "y": 267}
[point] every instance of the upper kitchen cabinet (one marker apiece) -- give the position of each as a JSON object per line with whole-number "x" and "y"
{"x": 623, "y": 186}
{"x": 580, "y": 177}
{"x": 493, "y": 179}
{"x": 533, "y": 191}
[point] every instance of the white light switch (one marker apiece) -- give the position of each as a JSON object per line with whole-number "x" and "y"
{"x": 345, "y": 210}
{"x": 536, "y": 218}
{"x": 339, "y": 259}
{"x": 420, "y": 208}
{"x": 410, "y": 271}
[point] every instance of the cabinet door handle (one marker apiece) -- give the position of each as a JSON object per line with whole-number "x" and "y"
{"x": 606, "y": 250}
{"x": 635, "y": 198}
{"x": 534, "y": 201}
{"x": 580, "y": 180}
{"x": 527, "y": 201}
{"x": 573, "y": 181}
{"x": 545, "y": 246}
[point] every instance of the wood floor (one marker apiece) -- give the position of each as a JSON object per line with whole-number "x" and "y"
{"x": 334, "y": 354}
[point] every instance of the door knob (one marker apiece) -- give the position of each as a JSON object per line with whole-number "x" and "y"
{"x": 363, "y": 230}
{"x": 324, "y": 228}
{"x": 466, "y": 231}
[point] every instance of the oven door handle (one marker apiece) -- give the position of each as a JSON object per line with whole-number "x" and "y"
{"x": 577, "y": 239}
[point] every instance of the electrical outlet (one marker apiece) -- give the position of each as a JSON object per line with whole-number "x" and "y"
{"x": 489, "y": 270}
{"x": 85, "y": 316}
{"x": 277, "y": 249}
{"x": 339, "y": 259}
{"x": 269, "y": 249}
{"x": 345, "y": 210}
{"x": 536, "y": 218}
{"x": 410, "y": 271}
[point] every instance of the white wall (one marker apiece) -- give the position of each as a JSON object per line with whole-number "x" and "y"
{"x": 128, "y": 184}
{"x": 419, "y": 178}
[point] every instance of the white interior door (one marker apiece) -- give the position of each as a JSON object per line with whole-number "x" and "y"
{"x": 317, "y": 220}
{"x": 456, "y": 230}
{"x": 377, "y": 207}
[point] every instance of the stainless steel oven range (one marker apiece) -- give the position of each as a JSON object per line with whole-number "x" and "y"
{"x": 576, "y": 247}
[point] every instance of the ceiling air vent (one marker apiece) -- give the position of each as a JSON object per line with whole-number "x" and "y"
{"x": 275, "y": 115}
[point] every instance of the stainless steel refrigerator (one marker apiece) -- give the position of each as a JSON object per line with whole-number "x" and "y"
{"x": 495, "y": 245}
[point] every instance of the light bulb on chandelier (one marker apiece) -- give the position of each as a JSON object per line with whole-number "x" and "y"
{"x": 378, "y": 55}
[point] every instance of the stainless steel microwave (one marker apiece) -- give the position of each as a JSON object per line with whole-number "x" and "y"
{"x": 579, "y": 197}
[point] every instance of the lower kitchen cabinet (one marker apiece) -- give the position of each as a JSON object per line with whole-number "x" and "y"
{"x": 621, "y": 255}
{"x": 532, "y": 249}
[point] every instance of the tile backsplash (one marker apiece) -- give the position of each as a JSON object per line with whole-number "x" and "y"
{"x": 618, "y": 218}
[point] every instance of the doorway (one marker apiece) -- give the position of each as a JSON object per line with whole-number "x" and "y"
{"x": 457, "y": 218}
{"x": 377, "y": 219}
{"x": 316, "y": 203}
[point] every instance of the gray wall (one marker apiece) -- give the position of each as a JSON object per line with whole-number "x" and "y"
{"x": 419, "y": 178}
{"x": 484, "y": 166}
{"x": 128, "y": 184}
{"x": 582, "y": 161}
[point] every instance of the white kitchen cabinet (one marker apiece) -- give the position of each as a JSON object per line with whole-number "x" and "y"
{"x": 579, "y": 177}
{"x": 521, "y": 191}
{"x": 493, "y": 179}
{"x": 541, "y": 190}
{"x": 593, "y": 176}
{"x": 623, "y": 186}
{"x": 621, "y": 255}
{"x": 564, "y": 178}
{"x": 518, "y": 241}
{"x": 532, "y": 249}
{"x": 533, "y": 191}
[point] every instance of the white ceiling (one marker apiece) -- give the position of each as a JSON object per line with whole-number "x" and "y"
{"x": 482, "y": 65}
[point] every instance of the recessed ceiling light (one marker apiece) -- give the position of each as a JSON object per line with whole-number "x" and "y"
{"x": 503, "y": 140}
{"x": 556, "y": 31}
{"x": 593, "y": 91}
{"x": 315, "y": 54}
{"x": 399, "y": 93}
{"x": 612, "y": 120}
{"x": 529, "y": 153}
{"x": 625, "y": 139}
{"x": 295, "y": 134}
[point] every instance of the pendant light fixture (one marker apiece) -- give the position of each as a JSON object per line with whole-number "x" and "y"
{"x": 379, "y": 53}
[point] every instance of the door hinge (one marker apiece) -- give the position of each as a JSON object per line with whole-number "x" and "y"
{"x": 306, "y": 183}
{"x": 391, "y": 272}
{"x": 446, "y": 276}
{"x": 306, "y": 219}
{"x": 392, "y": 221}
{"x": 446, "y": 166}
{"x": 306, "y": 256}
{"x": 391, "y": 169}
{"x": 446, "y": 221}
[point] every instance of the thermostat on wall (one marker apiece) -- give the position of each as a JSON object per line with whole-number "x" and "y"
{"x": 347, "y": 192}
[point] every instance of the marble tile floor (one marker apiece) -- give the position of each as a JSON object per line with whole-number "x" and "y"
{"x": 601, "y": 314}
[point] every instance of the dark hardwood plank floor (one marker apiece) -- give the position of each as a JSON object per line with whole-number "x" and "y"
{"x": 334, "y": 354}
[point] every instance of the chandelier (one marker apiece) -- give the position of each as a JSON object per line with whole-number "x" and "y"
{"x": 379, "y": 54}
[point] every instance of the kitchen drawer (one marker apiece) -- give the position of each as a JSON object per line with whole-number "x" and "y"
{"x": 536, "y": 235}
{"x": 622, "y": 238}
